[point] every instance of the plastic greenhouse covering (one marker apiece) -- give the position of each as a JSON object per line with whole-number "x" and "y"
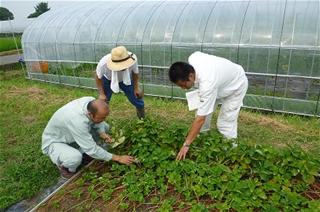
{"x": 276, "y": 42}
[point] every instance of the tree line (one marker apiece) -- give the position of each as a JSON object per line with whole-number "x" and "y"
{"x": 40, "y": 8}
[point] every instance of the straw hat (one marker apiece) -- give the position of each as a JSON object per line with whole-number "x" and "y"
{"x": 120, "y": 59}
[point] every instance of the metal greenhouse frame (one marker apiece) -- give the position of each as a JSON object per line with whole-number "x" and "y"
{"x": 276, "y": 41}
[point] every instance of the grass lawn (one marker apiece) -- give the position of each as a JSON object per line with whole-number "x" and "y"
{"x": 8, "y": 43}
{"x": 26, "y": 106}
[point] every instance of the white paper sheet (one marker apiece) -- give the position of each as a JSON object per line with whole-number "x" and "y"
{"x": 193, "y": 99}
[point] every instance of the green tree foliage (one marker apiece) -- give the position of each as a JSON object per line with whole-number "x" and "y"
{"x": 5, "y": 14}
{"x": 40, "y": 8}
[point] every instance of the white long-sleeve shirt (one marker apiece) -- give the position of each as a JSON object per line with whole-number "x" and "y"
{"x": 216, "y": 77}
{"x": 71, "y": 124}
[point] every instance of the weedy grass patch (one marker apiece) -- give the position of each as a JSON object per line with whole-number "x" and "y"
{"x": 9, "y": 43}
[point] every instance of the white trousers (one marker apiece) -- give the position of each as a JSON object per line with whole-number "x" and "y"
{"x": 65, "y": 155}
{"x": 227, "y": 122}
{"x": 62, "y": 154}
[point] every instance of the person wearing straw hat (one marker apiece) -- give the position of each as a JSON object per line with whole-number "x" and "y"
{"x": 216, "y": 79}
{"x": 119, "y": 70}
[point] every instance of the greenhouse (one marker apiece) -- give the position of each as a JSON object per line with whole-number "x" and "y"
{"x": 276, "y": 41}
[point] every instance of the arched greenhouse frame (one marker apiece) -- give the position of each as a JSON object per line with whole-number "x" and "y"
{"x": 276, "y": 41}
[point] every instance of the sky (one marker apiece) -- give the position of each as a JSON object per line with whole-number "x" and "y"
{"x": 21, "y": 9}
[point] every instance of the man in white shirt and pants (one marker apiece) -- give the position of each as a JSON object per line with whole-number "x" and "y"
{"x": 119, "y": 70}
{"x": 216, "y": 78}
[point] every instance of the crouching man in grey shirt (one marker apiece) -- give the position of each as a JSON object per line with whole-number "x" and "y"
{"x": 79, "y": 122}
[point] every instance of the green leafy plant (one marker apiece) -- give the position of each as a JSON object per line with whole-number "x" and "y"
{"x": 244, "y": 179}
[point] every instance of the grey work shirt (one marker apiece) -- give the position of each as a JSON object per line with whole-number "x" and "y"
{"x": 71, "y": 124}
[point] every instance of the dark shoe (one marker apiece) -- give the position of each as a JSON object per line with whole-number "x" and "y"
{"x": 140, "y": 113}
{"x": 86, "y": 159}
{"x": 64, "y": 172}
